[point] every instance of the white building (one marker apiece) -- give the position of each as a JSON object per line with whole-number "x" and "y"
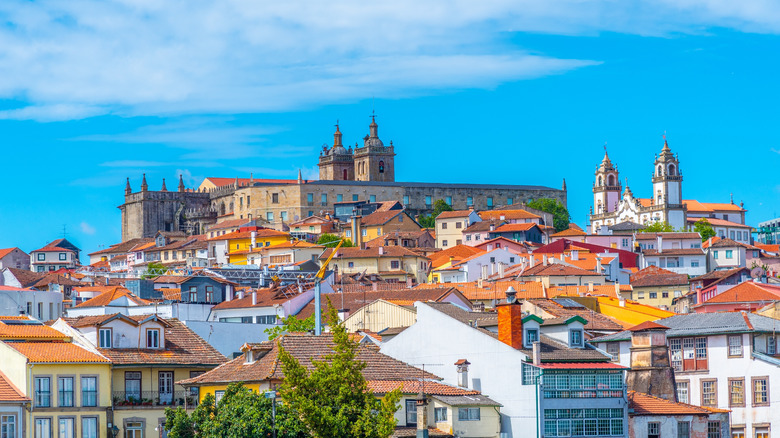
{"x": 55, "y": 255}
{"x": 478, "y": 266}
{"x": 726, "y": 254}
{"x": 43, "y": 305}
{"x": 724, "y": 360}
{"x": 450, "y": 226}
{"x": 14, "y": 258}
{"x": 678, "y": 252}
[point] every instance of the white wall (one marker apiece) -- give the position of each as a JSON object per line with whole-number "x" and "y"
{"x": 12, "y": 302}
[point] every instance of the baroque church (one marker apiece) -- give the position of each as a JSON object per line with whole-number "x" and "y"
{"x": 365, "y": 173}
{"x": 612, "y": 205}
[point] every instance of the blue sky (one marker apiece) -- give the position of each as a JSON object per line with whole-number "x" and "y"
{"x": 496, "y": 92}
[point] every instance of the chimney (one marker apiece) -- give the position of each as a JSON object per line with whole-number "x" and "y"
{"x": 531, "y": 261}
{"x": 254, "y": 240}
{"x": 254, "y": 297}
{"x": 622, "y": 301}
{"x": 598, "y": 265}
{"x": 381, "y": 250}
{"x": 463, "y": 372}
{"x": 357, "y": 230}
{"x": 660, "y": 243}
{"x": 617, "y": 288}
{"x": 484, "y": 275}
{"x": 409, "y": 283}
{"x": 537, "y": 353}
{"x": 590, "y": 287}
{"x": 500, "y": 270}
{"x": 492, "y": 227}
{"x": 575, "y": 255}
{"x": 422, "y": 415}
{"x": 240, "y": 294}
{"x": 374, "y": 286}
{"x": 510, "y": 320}
{"x": 544, "y": 259}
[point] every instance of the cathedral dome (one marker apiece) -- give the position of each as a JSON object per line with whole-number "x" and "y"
{"x": 339, "y": 150}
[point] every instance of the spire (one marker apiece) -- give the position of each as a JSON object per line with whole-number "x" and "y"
{"x": 665, "y": 149}
{"x": 181, "y": 183}
{"x": 564, "y": 185}
{"x": 235, "y": 184}
{"x": 128, "y": 190}
{"x": 164, "y": 189}
{"x": 732, "y": 199}
{"x": 373, "y": 127}
{"x": 144, "y": 186}
{"x": 337, "y": 136}
{"x": 300, "y": 177}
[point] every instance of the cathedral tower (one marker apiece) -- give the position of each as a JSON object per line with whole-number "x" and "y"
{"x": 667, "y": 179}
{"x": 337, "y": 163}
{"x": 374, "y": 161}
{"x": 606, "y": 188}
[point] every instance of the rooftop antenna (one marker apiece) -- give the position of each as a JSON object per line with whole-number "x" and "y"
{"x": 64, "y": 230}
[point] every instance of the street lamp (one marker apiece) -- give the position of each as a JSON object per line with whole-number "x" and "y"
{"x": 272, "y": 396}
{"x": 114, "y": 431}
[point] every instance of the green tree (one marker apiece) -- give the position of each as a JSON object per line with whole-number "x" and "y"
{"x": 658, "y": 227}
{"x": 241, "y": 412}
{"x": 333, "y": 399}
{"x": 429, "y": 221}
{"x": 561, "y": 217}
{"x": 328, "y": 238}
{"x": 291, "y": 324}
{"x": 154, "y": 269}
{"x": 703, "y": 227}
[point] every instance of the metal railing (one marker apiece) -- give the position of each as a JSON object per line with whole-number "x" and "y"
{"x": 154, "y": 398}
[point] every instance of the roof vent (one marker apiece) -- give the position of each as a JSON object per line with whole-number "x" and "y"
{"x": 511, "y": 295}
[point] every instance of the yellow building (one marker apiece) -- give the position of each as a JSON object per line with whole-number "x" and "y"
{"x": 380, "y": 223}
{"x": 392, "y": 263}
{"x": 260, "y": 369}
{"x": 239, "y": 244}
{"x": 68, "y": 385}
{"x": 657, "y": 287}
{"x": 149, "y": 355}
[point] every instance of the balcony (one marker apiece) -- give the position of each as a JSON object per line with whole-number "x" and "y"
{"x": 153, "y": 399}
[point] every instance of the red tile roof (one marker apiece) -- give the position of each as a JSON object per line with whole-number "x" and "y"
{"x": 112, "y": 293}
{"x": 56, "y": 352}
{"x": 380, "y": 217}
{"x": 261, "y": 233}
{"x": 675, "y": 235}
{"x": 30, "y": 331}
{"x": 648, "y": 325}
{"x": 9, "y": 392}
{"x": 400, "y": 296}
{"x": 655, "y": 276}
{"x": 458, "y": 251}
{"x": 717, "y": 222}
{"x": 507, "y": 215}
{"x": 414, "y": 386}
{"x": 746, "y": 292}
{"x": 644, "y": 404}
{"x": 583, "y": 366}
{"x": 556, "y": 269}
{"x": 454, "y": 214}
{"x": 570, "y": 232}
{"x": 511, "y": 228}
{"x": 387, "y": 251}
{"x": 6, "y": 251}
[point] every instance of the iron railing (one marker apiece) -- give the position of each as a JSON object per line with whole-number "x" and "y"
{"x": 154, "y": 398}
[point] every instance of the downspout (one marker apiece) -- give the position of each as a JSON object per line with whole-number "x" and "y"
{"x": 540, "y": 418}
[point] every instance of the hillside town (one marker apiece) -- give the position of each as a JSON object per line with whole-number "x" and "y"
{"x": 486, "y": 307}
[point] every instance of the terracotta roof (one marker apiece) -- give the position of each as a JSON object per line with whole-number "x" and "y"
{"x": 182, "y": 345}
{"x": 411, "y": 432}
{"x": 673, "y": 252}
{"x": 596, "y": 321}
{"x": 400, "y": 296}
{"x": 56, "y": 352}
{"x": 291, "y": 244}
{"x": 583, "y": 366}
{"x": 172, "y": 294}
{"x": 482, "y": 226}
{"x": 124, "y": 247}
{"x": 9, "y": 392}
{"x": 647, "y": 325}
{"x": 111, "y": 294}
{"x": 605, "y": 290}
{"x": 655, "y": 276}
{"x": 381, "y": 217}
{"x": 746, "y": 292}
{"x": 507, "y": 215}
{"x": 511, "y": 228}
{"x": 458, "y": 251}
{"x": 244, "y": 182}
{"x": 30, "y": 331}
{"x": 644, "y": 404}
{"x": 768, "y": 248}
{"x": 387, "y": 251}
{"x": 413, "y": 387}
{"x": 674, "y": 235}
{"x": 727, "y": 243}
{"x": 261, "y": 233}
{"x": 6, "y": 251}
{"x": 56, "y": 246}
{"x": 556, "y": 269}
{"x": 454, "y": 214}
{"x": 492, "y": 289}
{"x": 710, "y": 207}
{"x": 264, "y": 298}
{"x": 26, "y": 277}
{"x": 230, "y": 223}
{"x": 570, "y": 232}
{"x": 717, "y": 222}
{"x": 53, "y": 278}
{"x": 305, "y": 347}
{"x": 718, "y": 275}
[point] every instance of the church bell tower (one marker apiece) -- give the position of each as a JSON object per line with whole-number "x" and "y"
{"x": 606, "y": 188}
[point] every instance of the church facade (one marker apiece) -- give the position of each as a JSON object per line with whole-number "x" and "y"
{"x": 362, "y": 173}
{"x": 612, "y": 204}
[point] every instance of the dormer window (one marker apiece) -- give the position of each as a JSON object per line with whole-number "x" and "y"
{"x": 152, "y": 338}
{"x": 105, "y": 335}
{"x": 531, "y": 336}
{"x": 575, "y": 338}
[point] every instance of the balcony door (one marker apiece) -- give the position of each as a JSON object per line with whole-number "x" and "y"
{"x": 166, "y": 386}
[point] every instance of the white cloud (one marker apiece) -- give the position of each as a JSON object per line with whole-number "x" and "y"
{"x": 81, "y": 58}
{"x": 87, "y": 228}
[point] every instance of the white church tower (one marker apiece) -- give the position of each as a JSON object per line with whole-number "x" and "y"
{"x": 606, "y": 188}
{"x": 667, "y": 187}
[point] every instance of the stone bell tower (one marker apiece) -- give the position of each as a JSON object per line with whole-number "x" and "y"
{"x": 606, "y": 187}
{"x": 374, "y": 161}
{"x": 337, "y": 163}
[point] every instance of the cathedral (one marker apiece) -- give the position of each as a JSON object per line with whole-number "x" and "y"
{"x": 346, "y": 174}
{"x": 613, "y": 205}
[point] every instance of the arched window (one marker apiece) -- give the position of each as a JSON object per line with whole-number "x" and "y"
{"x": 660, "y": 170}
{"x": 671, "y": 169}
{"x": 345, "y": 174}
{"x": 381, "y": 166}
{"x": 600, "y": 182}
{"x": 222, "y": 209}
{"x": 611, "y": 180}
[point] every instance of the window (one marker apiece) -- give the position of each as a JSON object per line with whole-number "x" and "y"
{"x": 348, "y": 233}
{"x": 448, "y": 200}
{"x": 653, "y": 295}
{"x": 134, "y": 429}
{"x": 490, "y": 201}
{"x": 653, "y": 430}
{"x": 363, "y": 232}
{"x": 443, "y": 243}
{"x": 440, "y": 414}
{"x": 737, "y": 392}
{"x": 339, "y": 198}
{"x": 275, "y": 198}
{"x": 468, "y": 237}
{"x": 715, "y": 255}
{"x": 469, "y": 201}
{"x": 613, "y": 348}
{"x": 354, "y": 198}
{"x": 731, "y": 234}
{"x": 531, "y": 336}
{"x": 310, "y": 198}
{"x": 427, "y": 201}
{"x": 509, "y": 201}
{"x": 88, "y": 391}
{"x": 682, "y": 391}
{"x": 640, "y": 295}
{"x": 709, "y": 392}
{"x": 209, "y": 294}
{"x": 771, "y": 345}
{"x": 152, "y": 338}
{"x": 351, "y": 264}
{"x": 735, "y": 346}
{"x": 713, "y": 429}
{"x": 492, "y": 260}
{"x": 583, "y": 422}
{"x": 218, "y": 395}
{"x": 411, "y": 412}
{"x": 760, "y": 391}
{"x": 762, "y": 432}
{"x": 458, "y": 224}
{"x": 65, "y": 392}
{"x": 42, "y": 392}
{"x": 283, "y": 215}
{"x": 665, "y": 294}
{"x": 575, "y": 338}
{"x": 41, "y": 256}
{"x": 62, "y": 256}
{"x": 624, "y": 243}
{"x": 468, "y": 414}
{"x": 683, "y": 429}
{"x": 132, "y": 385}
{"x": 406, "y": 199}
{"x": 371, "y": 198}
{"x": 265, "y": 319}
{"x": 106, "y": 334}
{"x": 67, "y": 427}
{"x": 89, "y": 427}
{"x": 530, "y": 374}
{"x": 7, "y": 426}
{"x": 269, "y": 216}
{"x": 729, "y": 254}
{"x": 324, "y": 199}
{"x": 43, "y": 428}
{"x": 193, "y": 294}
{"x": 444, "y": 225}
{"x": 248, "y": 198}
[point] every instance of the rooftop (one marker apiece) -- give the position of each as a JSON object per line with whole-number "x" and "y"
{"x": 644, "y": 404}
{"x": 56, "y": 352}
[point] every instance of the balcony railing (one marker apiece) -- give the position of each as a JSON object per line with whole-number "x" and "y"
{"x": 154, "y": 398}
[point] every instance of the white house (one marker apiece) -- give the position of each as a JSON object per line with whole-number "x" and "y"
{"x": 478, "y": 266}
{"x": 678, "y": 252}
{"x": 43, "y": 305}
{"x": 724, "y": 360}
{"x": 725, "y": 254}
{"x": 542, "y": 372}
{"x": 450, "y": 226}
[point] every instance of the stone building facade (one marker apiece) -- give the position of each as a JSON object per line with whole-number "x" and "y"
{"x": 364, "y": 173}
